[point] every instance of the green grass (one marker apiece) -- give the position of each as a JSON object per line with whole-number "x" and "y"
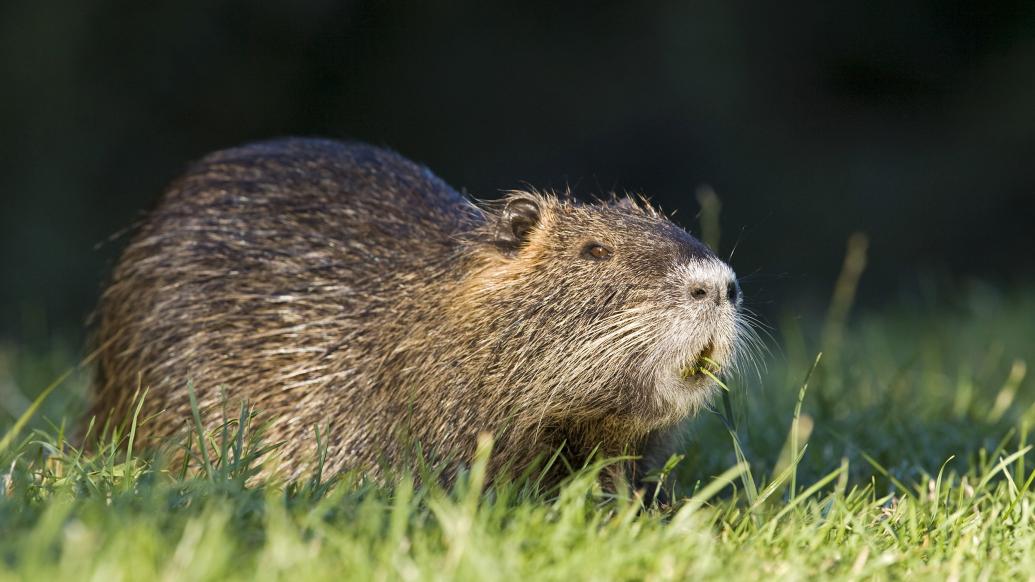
{"x": 917, "y": 463}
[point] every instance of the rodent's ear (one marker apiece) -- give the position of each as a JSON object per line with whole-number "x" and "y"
{"x": 519, "y": 216}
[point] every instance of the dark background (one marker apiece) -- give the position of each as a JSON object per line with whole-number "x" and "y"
{"x": 913, "y": 122}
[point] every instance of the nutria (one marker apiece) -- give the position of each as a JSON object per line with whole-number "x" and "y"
{"x": 340, "y": 286}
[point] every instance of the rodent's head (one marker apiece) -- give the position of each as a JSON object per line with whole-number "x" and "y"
{"x": 601, "y": 312}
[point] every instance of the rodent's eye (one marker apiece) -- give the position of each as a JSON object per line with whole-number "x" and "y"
{"x": 596, "y": 252}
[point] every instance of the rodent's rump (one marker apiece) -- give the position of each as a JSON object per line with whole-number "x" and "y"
{"x": 341, "y": 286}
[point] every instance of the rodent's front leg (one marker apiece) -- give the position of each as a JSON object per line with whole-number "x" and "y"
{"x": 655, "y": 452}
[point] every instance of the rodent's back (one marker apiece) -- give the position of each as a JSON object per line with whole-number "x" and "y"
{"x": 269, "y": 270}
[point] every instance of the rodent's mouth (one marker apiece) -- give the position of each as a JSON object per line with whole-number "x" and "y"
{"x": 702, "y": 364}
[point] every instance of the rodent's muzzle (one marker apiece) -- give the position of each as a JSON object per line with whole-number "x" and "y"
{"x": 706, "y": 339}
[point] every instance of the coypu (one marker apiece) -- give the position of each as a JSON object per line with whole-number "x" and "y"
{"x": 341, "y": 286}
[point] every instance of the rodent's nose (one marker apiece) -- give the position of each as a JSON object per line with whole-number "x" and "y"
{"x": 733, "y": 291}
{"x": 716, "y": 291}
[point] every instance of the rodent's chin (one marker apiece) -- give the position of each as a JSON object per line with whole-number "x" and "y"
{"x": 681, "y": 396}
{"x": 688, "y": 380}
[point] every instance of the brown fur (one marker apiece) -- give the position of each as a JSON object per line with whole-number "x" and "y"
{"x": 343, "y": 287}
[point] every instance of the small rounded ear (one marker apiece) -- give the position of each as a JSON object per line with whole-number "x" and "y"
{"x": 516, "y": 221}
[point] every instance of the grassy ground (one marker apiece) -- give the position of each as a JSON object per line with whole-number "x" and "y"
{"x": 909, "y": 457}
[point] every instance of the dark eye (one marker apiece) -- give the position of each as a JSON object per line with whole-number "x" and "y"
{"x": 596, "y": 252}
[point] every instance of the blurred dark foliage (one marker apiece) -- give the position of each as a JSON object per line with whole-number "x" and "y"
{"x": 912, "y": 121}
